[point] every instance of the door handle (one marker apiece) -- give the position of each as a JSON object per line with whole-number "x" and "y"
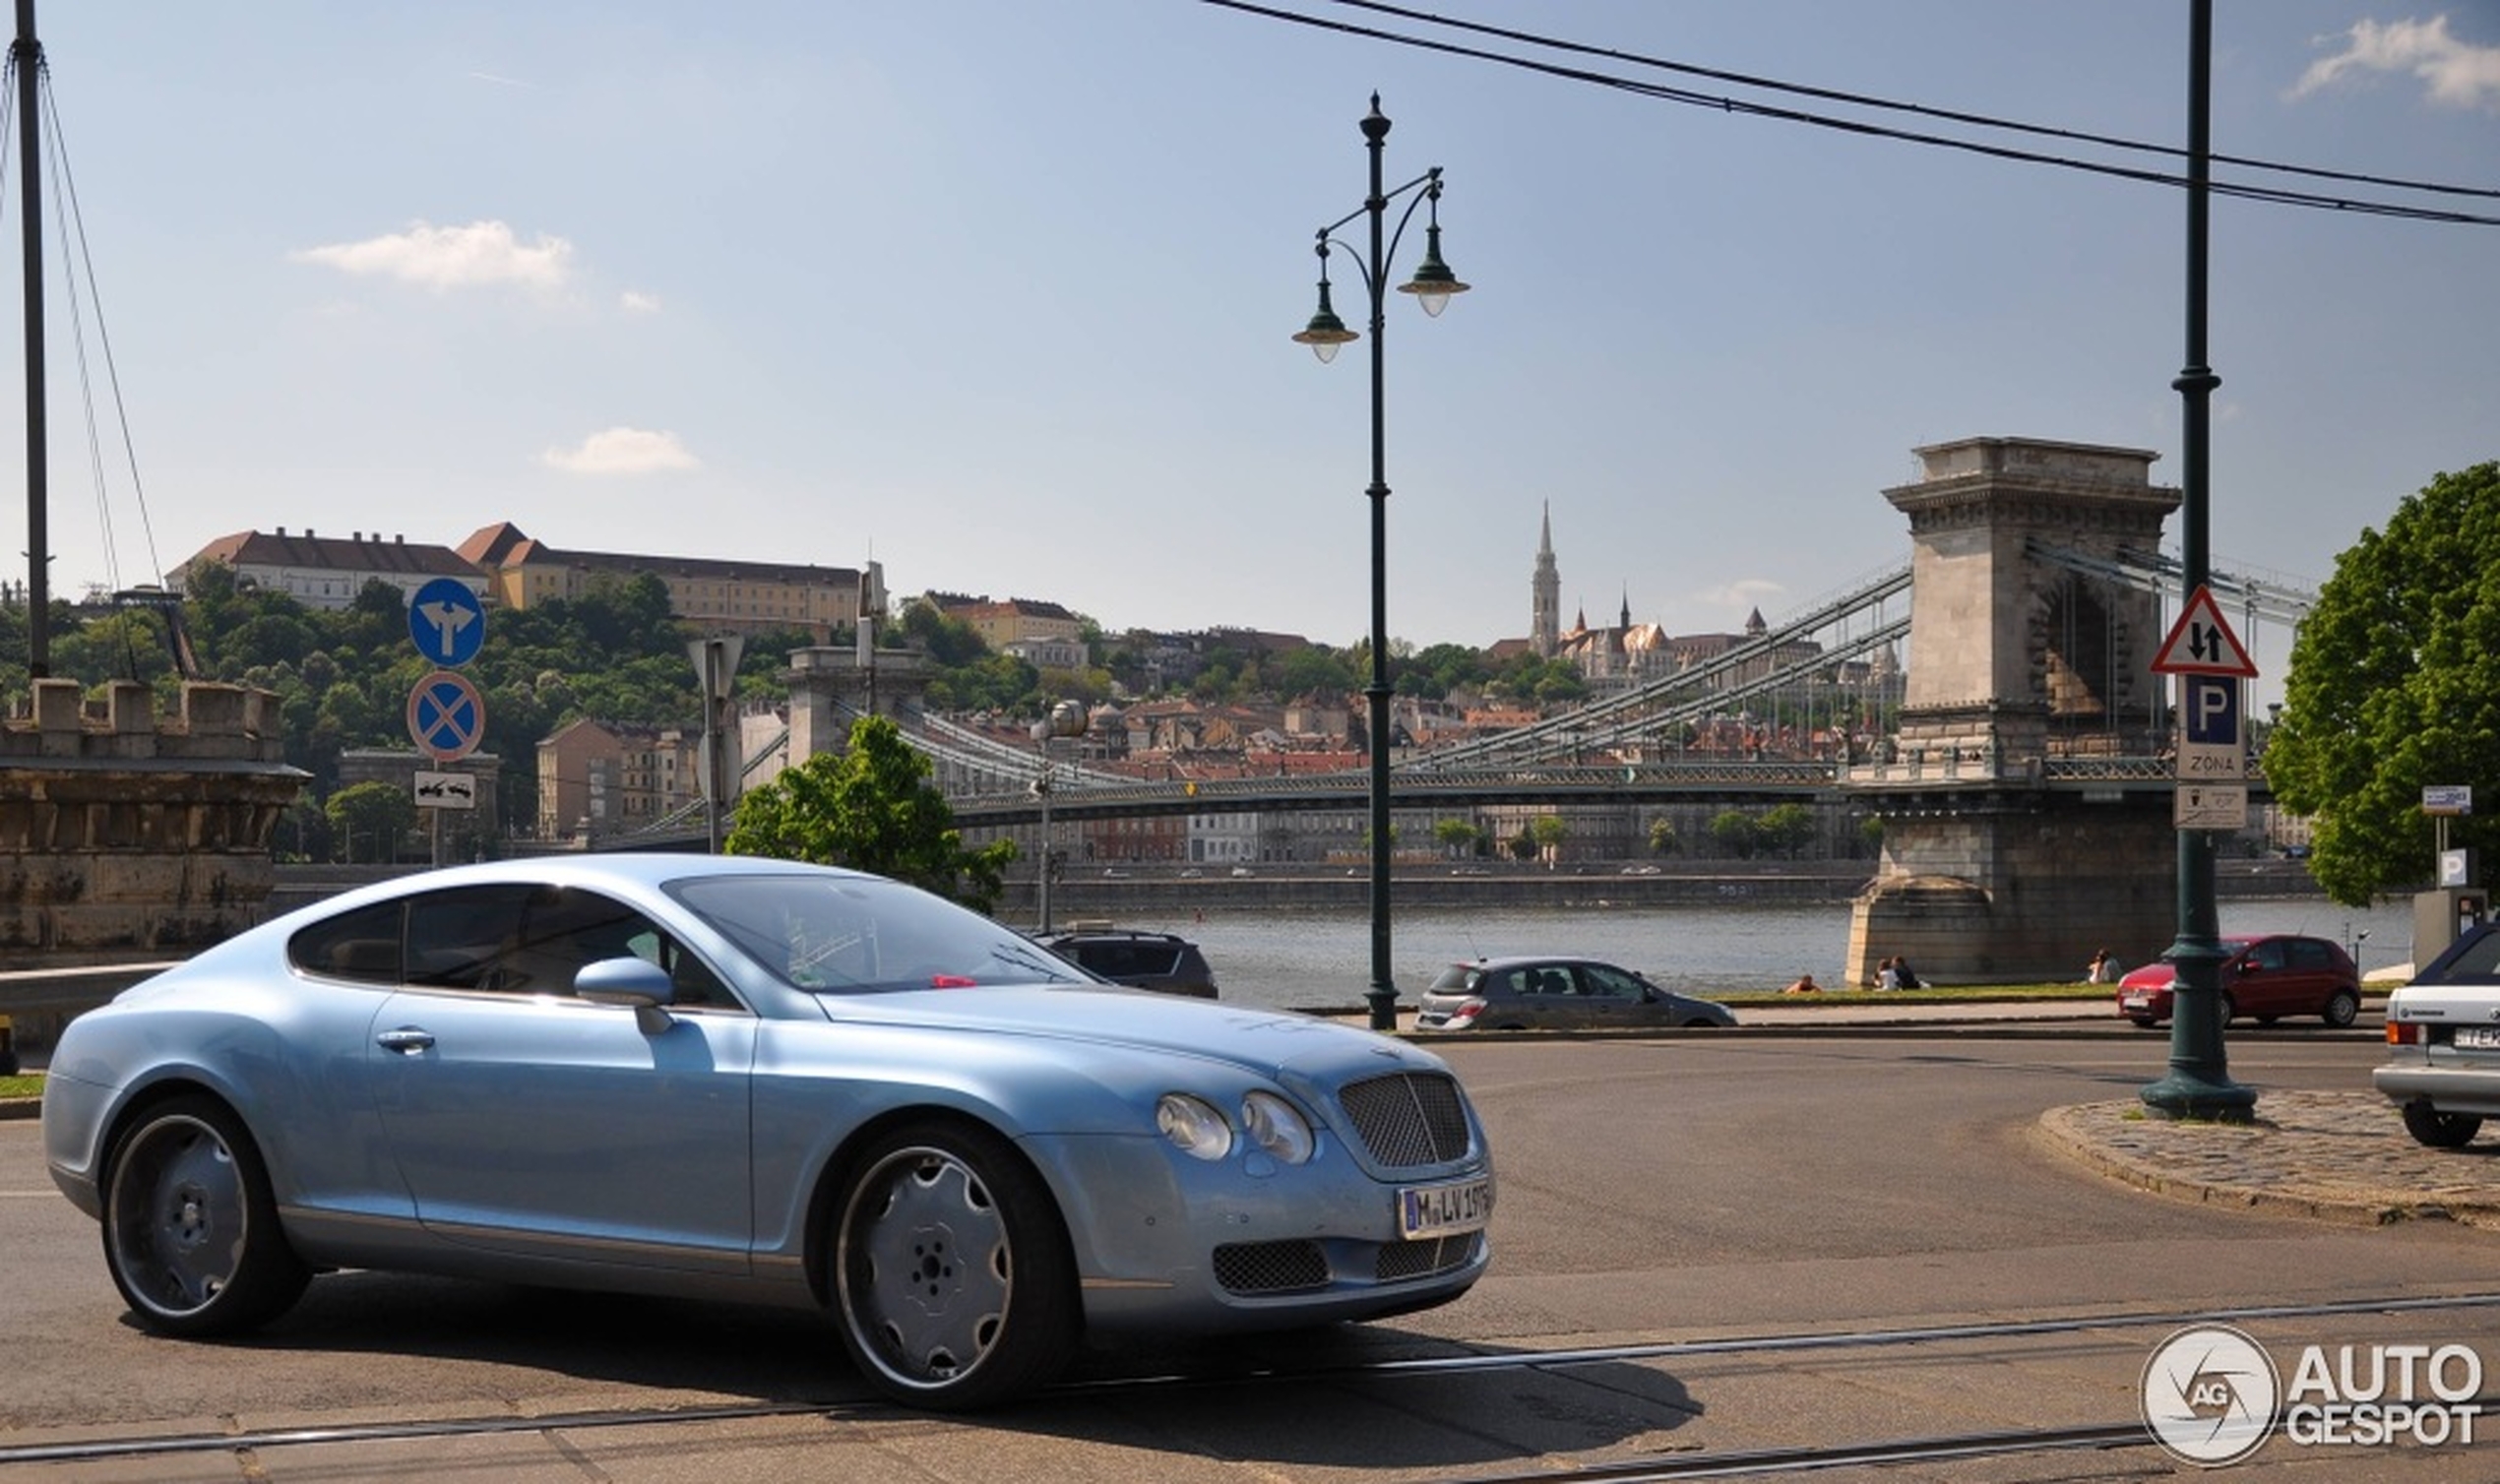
{"x": 407, "y": 1040}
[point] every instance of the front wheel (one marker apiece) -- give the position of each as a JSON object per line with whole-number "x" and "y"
{"x": 191, "y": 1230}
{"x": 2342, "y": 1006}
{"x": 952, "y": 1277}
{"x": 2440, "y": 1131}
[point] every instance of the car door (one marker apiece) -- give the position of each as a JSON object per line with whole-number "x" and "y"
{"x": 2312, "y": 973}
{"x": 530, "y": 1121}
{"x": 1615, "y": 997}
{"x": 1550, "y": 994}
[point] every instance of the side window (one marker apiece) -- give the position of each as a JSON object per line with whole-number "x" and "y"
{"x": 693, "y": 980}
{"x": 532, "y": 940}
{"x": 1610, "y": 984}
{"x": 2310, "y": 953}
{"x": 362, "y": 945}
{"x": 2268, "y": 956}
{"x": 460, "y": 938}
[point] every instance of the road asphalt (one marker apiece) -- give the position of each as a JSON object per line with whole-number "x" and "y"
{"x": 2332, "y": 1156}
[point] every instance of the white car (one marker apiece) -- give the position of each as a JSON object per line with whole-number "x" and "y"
{"x": 2443, "y": 1042}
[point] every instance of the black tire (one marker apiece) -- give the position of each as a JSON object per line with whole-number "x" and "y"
{"x": 2342, "y": 1006}
{"x": 191, "y": 1233}
{"x": 2440, "y": 1131}
{"x": 952, "y": 1278}
{"x": 2144, "y": 1023}
{"x": 2230, "y": 1008}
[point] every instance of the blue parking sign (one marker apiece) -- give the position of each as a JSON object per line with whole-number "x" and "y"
{"x": 2211, "y": 703}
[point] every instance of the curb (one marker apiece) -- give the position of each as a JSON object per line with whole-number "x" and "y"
{"x": 2328, "y": 1156}
{"x": 20, "y": 1107}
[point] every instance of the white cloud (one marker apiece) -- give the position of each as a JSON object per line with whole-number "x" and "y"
{"x": 451, "y": 257}
{"x": 621, "y": 451}
{"x": 2459, "y": 73}
{"x": 634, "y": 301}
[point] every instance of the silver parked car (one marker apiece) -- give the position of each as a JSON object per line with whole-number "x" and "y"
{"x": 1556, "y": 994}
{"x": 754, "y": 1080}
{"x": 2443, "y": 1042}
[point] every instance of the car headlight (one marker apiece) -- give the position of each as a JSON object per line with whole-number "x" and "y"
{"x": 1277, "y": 1127}
{"x": 1193, "y": 1126}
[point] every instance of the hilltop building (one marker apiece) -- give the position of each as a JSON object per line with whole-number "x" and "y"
{"x": 714, "y": 595}
{"x": 328, "y": 572}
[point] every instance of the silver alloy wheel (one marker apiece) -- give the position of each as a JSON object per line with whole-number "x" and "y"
{"x": 179, "y": 1218}
{"x": 926, "y": 1267}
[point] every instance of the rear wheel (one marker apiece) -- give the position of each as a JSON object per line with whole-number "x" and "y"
{"x": 2342, "y": 1006}
{"x": 952, "y": 1277}
{"x": 2440, "y": 1131}
{"x": 2144, "y": 1023}
{"x": 191, "y": 1231}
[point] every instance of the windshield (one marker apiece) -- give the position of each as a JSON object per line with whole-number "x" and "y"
{"x": 851, "y": 934}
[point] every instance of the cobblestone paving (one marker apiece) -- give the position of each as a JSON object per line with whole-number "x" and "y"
{"x": 2338, "y": 1156}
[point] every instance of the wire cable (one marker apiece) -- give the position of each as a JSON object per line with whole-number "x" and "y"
{"x": 2275, "y": 195}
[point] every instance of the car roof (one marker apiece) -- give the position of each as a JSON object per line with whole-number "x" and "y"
{"x": 1518, "y": 960}
{"x": 648, "y": 869}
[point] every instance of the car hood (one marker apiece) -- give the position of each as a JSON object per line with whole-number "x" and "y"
{"x": 1272, "y": 1042}
{"x": 2151, "y": 976}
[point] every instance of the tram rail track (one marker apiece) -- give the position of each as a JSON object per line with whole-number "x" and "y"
{"x": 1728, "y": 1463}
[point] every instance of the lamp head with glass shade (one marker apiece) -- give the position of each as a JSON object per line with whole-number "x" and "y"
{"x": 1326, "y": 331}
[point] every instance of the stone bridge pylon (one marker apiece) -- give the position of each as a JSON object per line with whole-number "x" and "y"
{"x": 1987, "y": 874}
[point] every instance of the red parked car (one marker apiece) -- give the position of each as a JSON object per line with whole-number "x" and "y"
{"x": 2266, "y": 978}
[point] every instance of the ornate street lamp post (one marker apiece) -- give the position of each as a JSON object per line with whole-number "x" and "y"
{"x": 1432, "y": 286}
{"x": 2199, "y": 1082}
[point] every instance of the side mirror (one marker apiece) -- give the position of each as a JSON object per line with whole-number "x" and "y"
{"x": 629, "y": 980}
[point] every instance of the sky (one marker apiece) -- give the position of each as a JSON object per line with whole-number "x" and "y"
{"x": 1000, "y": 294}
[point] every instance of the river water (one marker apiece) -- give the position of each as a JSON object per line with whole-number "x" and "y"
{"x": 1307, "y": 959}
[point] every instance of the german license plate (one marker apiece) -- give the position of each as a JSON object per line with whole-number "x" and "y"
{"x": 2135, "y": 1002}
{"x": 1443, "y": 1211}
{"x": 2479, "y": 1037}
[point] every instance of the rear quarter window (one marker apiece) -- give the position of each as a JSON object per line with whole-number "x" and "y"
{"x": 362, "y": 945}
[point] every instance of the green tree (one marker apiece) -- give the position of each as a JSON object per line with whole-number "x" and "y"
{"x": 1548, "y": 830}
{"x": 369, "y": 819}
{"x": 2395, "y": 684}
{"x": 1663, "y": 839}
{"x": 1736, "y": 834}
{"x": 1458, "y": 836}
{"x": 1787, "y": 829}
{"x": 872, "y": 807}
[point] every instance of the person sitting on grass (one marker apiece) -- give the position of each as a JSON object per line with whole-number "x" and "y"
{"x": 1805, "y": 985}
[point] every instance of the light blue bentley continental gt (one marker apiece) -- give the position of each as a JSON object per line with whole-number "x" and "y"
{"x": 759, "y": 1081}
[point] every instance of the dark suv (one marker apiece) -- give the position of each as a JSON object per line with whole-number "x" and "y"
{"x": 1159, "y": 962}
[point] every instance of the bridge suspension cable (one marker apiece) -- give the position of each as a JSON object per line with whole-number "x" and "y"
{"x": 1766, "y": 663}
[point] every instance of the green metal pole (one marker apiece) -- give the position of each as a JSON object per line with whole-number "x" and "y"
{"x": 2199, "y": 1082}
{"x": 1382, "y": 996}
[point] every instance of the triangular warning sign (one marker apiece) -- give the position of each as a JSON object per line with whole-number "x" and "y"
{"x": 2201, "y": 644}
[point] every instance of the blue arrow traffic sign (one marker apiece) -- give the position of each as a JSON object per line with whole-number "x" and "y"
{"x": 446, "y": 717}
{"x": 447, "y": 622}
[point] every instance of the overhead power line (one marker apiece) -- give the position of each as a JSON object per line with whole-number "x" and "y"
{"x": 2277, "y": 195}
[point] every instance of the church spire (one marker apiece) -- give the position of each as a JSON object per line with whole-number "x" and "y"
{"x": 1545, "y": 593}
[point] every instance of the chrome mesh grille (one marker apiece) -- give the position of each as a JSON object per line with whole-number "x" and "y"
{"x": 1270, "y": 1266}
{"x": 1415, "y": 1259}
{"x": 1407, "y": 1118}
